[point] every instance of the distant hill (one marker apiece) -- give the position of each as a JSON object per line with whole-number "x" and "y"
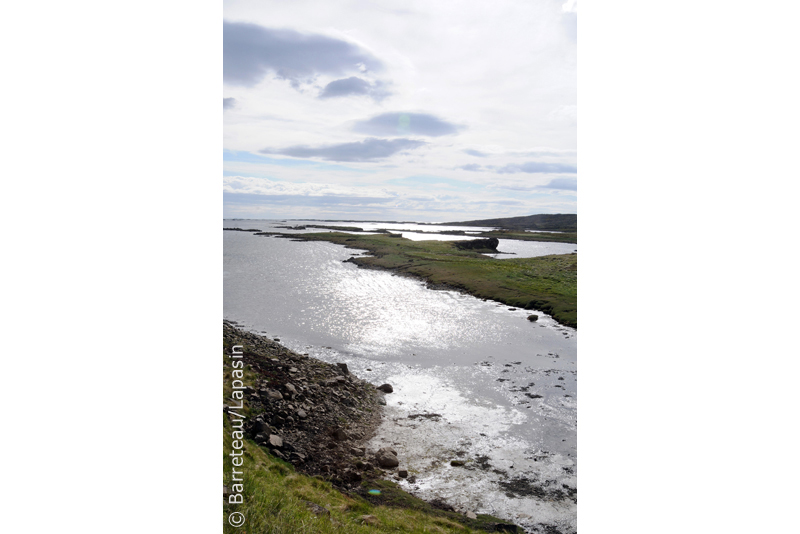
{"x": 559, "y": 222}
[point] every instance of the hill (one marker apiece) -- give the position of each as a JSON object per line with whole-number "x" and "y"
{"x": 560, "y": 222}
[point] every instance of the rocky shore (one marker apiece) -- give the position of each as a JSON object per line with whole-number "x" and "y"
{"x": 319, "y": 417}
{"x": 312, "y": 414}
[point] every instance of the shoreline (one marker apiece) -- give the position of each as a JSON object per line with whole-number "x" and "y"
{"x": 318, "y": 417}
{"x": 545, "y": 283}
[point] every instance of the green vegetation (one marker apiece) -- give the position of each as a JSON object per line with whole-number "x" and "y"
{"x": 546, "y": 283}
{"x": 561, "y": 222}
{"x": 566, "y": 237}
{"x": 280, "y": 500}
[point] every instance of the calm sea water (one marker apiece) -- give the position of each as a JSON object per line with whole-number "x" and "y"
{"x": 503, "y": 390}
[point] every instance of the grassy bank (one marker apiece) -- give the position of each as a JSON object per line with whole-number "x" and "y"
{"x": 278, "y": 499}
{"x": 546, "y": 283}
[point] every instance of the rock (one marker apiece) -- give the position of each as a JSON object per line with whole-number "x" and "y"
{"x": 386, "y": 388}
{"x": 533, "y": 318}
{"x": 370, "y": 520}
{"x": 456, "y": 463}
{"x": 271, "y": 394}
{"x": 339, "y": 434}
{"x": 357, "y": 451}
{"x": 275, "y": 441}
{"x": 382, "y": 401}
{"x": 402, "y": 473}
{"x": 471, "y": 515}
{"x": 387, "y": 459}
{"x": 260, "y": 427}
{"x": 261, "y": 438}
{"x": 278, "y": 421}
{"x": 317, "y": 509}
{"x": 478, "y": 244}
{"x": 343, "y": 368}
{"x": 290, "y": 387}
{"x": 301, "y": 414}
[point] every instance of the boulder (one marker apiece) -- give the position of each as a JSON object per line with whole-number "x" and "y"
{"x": 533, "y": 318}
{"x": 275, "y": 441}
{"x": 456, "y": 463}
{"x": 386, "y": 388}
{"x": 403, "y": 473}
{"x": 478, "y": 244}
{"x": 387, "y": 459}
{"x": 343, "y": 368}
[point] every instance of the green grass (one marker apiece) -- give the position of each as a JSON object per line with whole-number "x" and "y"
{"x": 276, "y": 498}
{"x": 546, "y": 283}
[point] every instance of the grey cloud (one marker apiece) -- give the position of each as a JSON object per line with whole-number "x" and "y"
{"x": 406, "y": 124}
{"x": 355, "y": 86}
{"x": 570, "y": 184}
{"x": 251, "y": 51}
{"x": 476, "y": 153}
{"x": 228, "y": 103}
{"x": 367, "y": 150}
{"x": 470, "y": 167}
{"x": 536, "y": 167}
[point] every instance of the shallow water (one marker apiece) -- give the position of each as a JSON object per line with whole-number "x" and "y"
{"x": 503, "y": 389}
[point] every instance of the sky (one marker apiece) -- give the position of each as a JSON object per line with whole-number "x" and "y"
{"x": 412, "y": 110}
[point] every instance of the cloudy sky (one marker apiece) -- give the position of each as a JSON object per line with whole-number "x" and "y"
{"x": 412, "y": 110}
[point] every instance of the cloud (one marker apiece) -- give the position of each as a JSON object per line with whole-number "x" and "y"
{"x": 471, "y": 167}
{"x": 369, "y": 149}
{"x": 248, "y": 185}
{"x": 536, "y": 167}
{"x": 250, "y": 52}
{"x": 228, "y": 103}
{"x": 569, "y": 184}
{"x": 476, "y": 153}
{"x": 355, "y": 86}
{"x": 399, "y": 123}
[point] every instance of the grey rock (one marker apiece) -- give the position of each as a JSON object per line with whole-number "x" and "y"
{"x": 471, "y": 515}
{"x": 343, "y": 368}
{"x": 386, "y": 388}
{"x": 357, "y": 451}
{"x": 381, "y": 401}
{"x": 339, "y": 434}
{"x": 271, "y": 394}
{"x": 301, "y": 414}
{"x": 387, "y": 459}
{"x": 291, "y": 389}
{"x": 317, "y": 509}
{"x": 275, "y": 441}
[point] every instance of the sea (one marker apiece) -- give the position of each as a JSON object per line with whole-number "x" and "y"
{"x": 474, "y": 381}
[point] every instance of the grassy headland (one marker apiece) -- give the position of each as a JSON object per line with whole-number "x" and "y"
{"x": 546, "y": 283}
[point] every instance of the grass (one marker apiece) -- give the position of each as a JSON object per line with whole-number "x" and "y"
{"x": 276, "y": 497}
{"x": 546, "y": 283}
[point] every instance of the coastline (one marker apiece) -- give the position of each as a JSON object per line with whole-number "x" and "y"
{"x": 544, "y": 283}
{"x": 312, "y": 418}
